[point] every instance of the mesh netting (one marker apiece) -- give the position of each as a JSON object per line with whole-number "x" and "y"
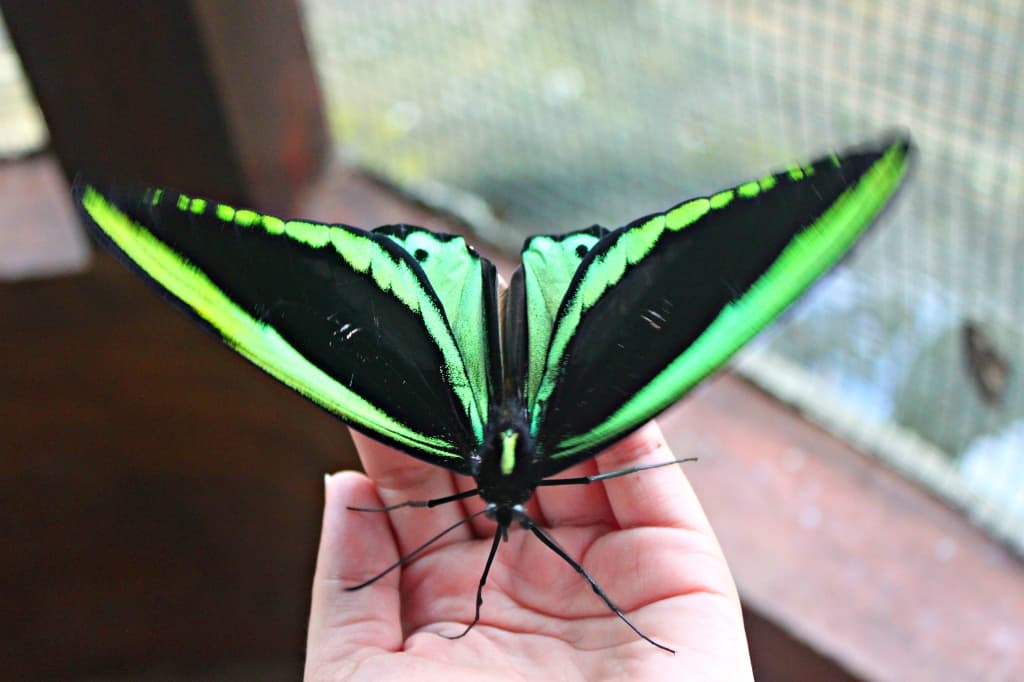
{"x": 525, "y": 117}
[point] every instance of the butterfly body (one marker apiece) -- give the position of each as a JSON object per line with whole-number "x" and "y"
{"x": 505, "y": 466}
{"x": 399, "y": 331}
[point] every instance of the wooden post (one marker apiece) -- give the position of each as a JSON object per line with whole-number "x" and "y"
{"x": 215, "y": 98}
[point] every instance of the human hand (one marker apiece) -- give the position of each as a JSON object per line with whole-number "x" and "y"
{"x": 644, "y": 538}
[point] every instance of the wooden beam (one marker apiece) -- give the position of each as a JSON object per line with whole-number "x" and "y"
{"x": 215, "y": 98}
{"x": 871, "y": 573}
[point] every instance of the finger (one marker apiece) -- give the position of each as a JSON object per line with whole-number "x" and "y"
{"x": 347, "y": 626}
{"x": 575, "y": 505}
{"x": 481, "y": 526}
{"x": 657, "y": 497}
{"x": 400, "y": 478}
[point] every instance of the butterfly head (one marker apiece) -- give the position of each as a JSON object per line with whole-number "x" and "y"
{"x": 505, "y": 515}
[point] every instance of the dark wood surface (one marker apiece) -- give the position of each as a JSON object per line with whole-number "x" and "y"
{"x": 835, "y": 550}
{"x": 207, "y": 96}
{"x": 161, "y": 496}
{"x": 161, "y": 503}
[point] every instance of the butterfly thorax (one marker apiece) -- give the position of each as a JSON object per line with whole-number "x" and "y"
{"x": 505, "y": 465}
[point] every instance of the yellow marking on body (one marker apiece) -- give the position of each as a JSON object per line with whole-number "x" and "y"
{"x": 508, "y": 451}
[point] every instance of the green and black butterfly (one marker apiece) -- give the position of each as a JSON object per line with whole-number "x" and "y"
{"x": 600, "y": 330}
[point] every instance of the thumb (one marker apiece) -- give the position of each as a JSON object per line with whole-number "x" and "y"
{"x": 347, "y": 627}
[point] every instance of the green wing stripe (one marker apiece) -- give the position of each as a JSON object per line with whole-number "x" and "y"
{"x": 258, "y": 342}
{"x": 629, "y": 248}
{"x": 397, "y": 277}
{"x": 808, "y": 255}
{"x": 455, "y": 272}
{"x": 549, "y": 263}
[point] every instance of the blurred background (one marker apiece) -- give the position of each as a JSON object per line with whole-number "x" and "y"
{"x": 863, "y": 461}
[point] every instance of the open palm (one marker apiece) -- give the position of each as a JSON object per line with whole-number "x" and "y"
{"x": 643, "y": 537}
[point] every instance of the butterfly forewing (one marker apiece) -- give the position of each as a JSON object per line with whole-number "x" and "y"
{"x": 660, "y": 303}
{"x": 345, "y": 317}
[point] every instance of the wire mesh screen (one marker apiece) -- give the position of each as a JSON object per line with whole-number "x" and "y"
{"x": 525, "y": 117}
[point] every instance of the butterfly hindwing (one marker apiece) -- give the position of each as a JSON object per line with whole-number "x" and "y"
{"x": 659, "y": 304}
{"x": 346, "y": 317}
{"x": 549, "y": 264}
{"x": 465, "y": 284}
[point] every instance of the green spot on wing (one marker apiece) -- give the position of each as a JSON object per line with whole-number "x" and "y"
{"x": 246, "y": 218}
{"x": 687, "y": 214}
{"x": 722, "y": 199}
{"x": 749, "y": 190}
{"x": 273, "y": 225}
{"x": 356, "y": 251}
{"x": 315, "y": 235}
{"x": 225, "y": 213}
{"x": 198, "y": 206}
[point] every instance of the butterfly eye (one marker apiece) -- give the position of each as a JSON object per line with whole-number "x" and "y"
{"x": 581, "y": 250}
{"x": 420, "y": 255}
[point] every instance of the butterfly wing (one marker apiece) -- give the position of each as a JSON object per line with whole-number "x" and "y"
{"x": 549, "y": 264}
{"x": 465, "y": 284}
{"x": 346, "y": 317}
{"x": 659, "y": 304}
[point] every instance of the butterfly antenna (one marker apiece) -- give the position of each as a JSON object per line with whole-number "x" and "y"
{"x": 420, "y": 503}
{"x": 557, "y": 549}
{"x": 583, "y": 480}
{"x": 411, "y": 555}
{"x": 500, "y": 532}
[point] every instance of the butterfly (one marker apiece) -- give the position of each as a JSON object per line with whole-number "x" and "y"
{"x": 401, "y": 333}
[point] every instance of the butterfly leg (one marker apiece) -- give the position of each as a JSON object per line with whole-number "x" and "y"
{"x": 500, "y": 532}
{"x": 420, "y": 503}
{"x": 557, "y": 549}
{"x": 411, "y": 555}
{"x": 583, "y": 480}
